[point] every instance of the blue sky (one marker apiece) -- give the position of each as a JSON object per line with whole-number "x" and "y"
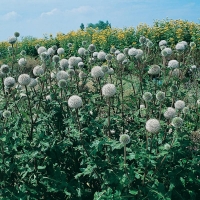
{"x": 39, "y": 17}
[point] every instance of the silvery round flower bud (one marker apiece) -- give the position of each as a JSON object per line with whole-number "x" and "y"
{"x": 184, "y": 43}
{"x": 112, "y": 50}
{"x": 69, "y": 45}
{"x": 72, "y": 61}
{"x": 132, "y": 52}
{"x": 149, "y": 44}
{"x": 60, "y": 51}
{"x": 78, "y": 60}
{"x": 167, "y": 146}
{"x": 9, "y": 82}
{"x": 173, "y": 64}
{"x": 125, "y": 51}
{"x": 125, "y": 62}
{"x": 97, "y": 72}
{"x": 95, "y": 54}
{"x": 154, "y": 70}
{"x": 108, "y": 90}
{"x": 81, "y": 51}
{"x": 147, "y": 96}
{"x": 32, "y": 83}
{"x": 6, "y": 114}
{"x": 163, "y": 43}
{"x": 62, "y": 75}
{"x": 38, "y": 70}
{"x": 41, "y": 50}
{"x": 170, "y": 113}
{"x": 160, "y": 96}
{"x": 5, "y": 69}
{"x": 23, "y": 52}
{"x": 84, "y": 43}
{"x": 56, "y": 58}
{"x": 24, "y": 79}
{"x": 64, "y": 63}
{"x": 86, "y": 53}
{"x": 175, "y": 72}
{"x": 16, "y": 34}
{"x": 50, "y": 51}
{"x": 104, "y": 68}
{"x": 37, "y": 46}
{"x": 173, "y": 88}
{"x": 80, "y": 64}
{"x": 54, "y": 47}
{"x": 44, "y": 56}
{"x": 177, "y": 122}
{"x": 166, "y": 52}
{"x": 22, "y": 62}
{"x": 62, "y": 83}
{"x": 192, "y": 45}
{"x": 70, "y": 72}
{"x": 142, "y": 40}
{"x": 117, "y": 52}
{"x": 124, "y": 139}
{"x": 120, "y": 57}
{"x": 153, "y": 126}
{"x": 139, "y": 54}
{"x": 91, "y": 48}
{"x": 108, "y": 57}
{"x": 101, "y": 55}
{"x": 180, "y": 47}
{"x": 75, "y": 102}
{"x": 185, "y": 110}
{"x": 110, "y": 71}
{"x": 12, "y": 40}
{"x": 179, "y": 105}
{"x": 82, "y": 75}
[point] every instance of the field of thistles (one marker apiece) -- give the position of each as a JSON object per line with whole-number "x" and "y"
{"x": 98, "y": 117}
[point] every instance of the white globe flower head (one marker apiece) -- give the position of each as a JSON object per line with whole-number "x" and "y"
{"x": 6, "y": 114}
{"x": 186, "y": 110}
{"x": 12, "y": 40}
{"x": 41, "y": 50}
{"x": 75, "y": 102}
{"x": 72, "y": 61}
{"x": 71, "y": 72}
{"x": 54, "y": 47}
{"x": 62, "y": 75}
{"x": 154, "y": 70}
{"x": 101, "y": 56}
{"x": 160, "y": 96}
{"x": 62, "y": 83}
{"x": 173, "y": 64}
{"x": 142, "y": 106}
{"x": 170, "y": 113}
{"x": 147, "y": 96}
{"x": 184, "y": 43}
{"x": 38, "y": 70}
{"x": 132, "y": 52}
{"x": 142, "y": 40}
{"x": 139, "y": 53}
{"x": 149, "y": 44}
{"x": 175, "y": 72}
{"x": 81, "y": 51}
{"x": 60, "y": 51}
{"x": 124, "y": 139}
{"x": 177, "y": 122}
{"x": 108, "y": 90}
{"x": 153, "y": 126}
{"x": 50, "y": 51}
{"x": 179, "y": 105}
{"x": 55, "y": 58}
{"x": 97, "y": 72}
{"x": 163, "y": 43}
{"x": 91, "y": 48}
{"x": 166, "y": 52}
{"x": 24, "y": 79}
{"x": 80, "y": 64}
{"x": 121, "y": 57}
{"x": 78, "y": 60}
{"x": 125, "y": 51}
{"x": 32, "y": 83}
{"x": 95, "y": 54}
{"x": 117, "y": 52}
{"x": 167, "y": 146}
{"x": 22, "y": 62}
{"x": 180, "y": 47}
{"x": 108, "y": 57}
{"x": 9, "y": 82}
{"x": 64, "y": 63}
{"x": 4, "y": 69}
{"x": 110, "y": 71}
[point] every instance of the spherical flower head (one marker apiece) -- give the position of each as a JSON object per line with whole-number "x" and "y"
{"x": 64, "y": 63}
{"x": 97, "y": 72}
{"x": 132, "y": 52}
{"x": 117, "y": 52}
{"x": 104, "y": 68}
{"x": 62, "y": 83}
{"x": 193, "y": 68}
{"x": 108, "y": 57}
{"x": 124, "y": 62}
{"x": 110, "y": 71}
{"x": 180, "y": 47}
{"x": 54, "y": 47}
{"x": 163, "y": 43}
{"x": 170, "y": 113}
{"x": 160, "y": 96}
{"x": 179, "y": 105}
{"x": 84, "y": 43}
{"x": 22, "y": 62}
{"x": 23, "y": 52}
{"x": 125, "y": 51}
{"x": 44, "y": 56}
{"x": 69, "y": 45}
{"x": 75, "y": 102}
{"x": 124, "y": 139}
{"x": 177, "y": 122}
{"x": 186, "y": 110}
{"x": 82, "y": 75}
{"x": 121, "y": 57}
{"x": 167, "y": 146}
{"x": 147, "y": 96}
{"x": 32, "y": 83}
{"x": 81, "y": 51}
{"x": 95, "y": 54}
{"x": 112, "y": 50}
{"x": 78, "y": 60}
{"x": 70, "y": 72}
{"x": 50, "y": 51}
{"x": 142, "y": 40}
{"x": 101, "y": 55}
{"x": 60, "y": 51}
{"x": 184, "y": 43}
{"x": 2, "y": 75}
{"x": 56, "y": 58}
{"x": 166, "y": 52}
{"x": 153, "y": 126}
{"x": 12, "y": 40}
{"x": 173, "y": 88}
{"x": 173, "y": 64}
{"x": 149, "y": 44}
{"x": 16, "y": 34}
{"x": 154, "y": 70}
{"x": 37, "y": 46}
{"x": 41, "y": 50}
{"x": 62, "y": 75}
{"x": 5, "y": 69}
{"x": 9, "y": 82}
{"x": 38, "y": 70}
{"x": 6, "y": 114}
{"x": 72, "y": 61}
{"x": 80, "y": 64}
{"x": 139, "y": 54}
{"x": 192, "y": 45}
{"x": 175, "y": 73}
{"x": 91, "y": 48}
{"x": 108, "y": 90}
{"x": 24, "y": 79}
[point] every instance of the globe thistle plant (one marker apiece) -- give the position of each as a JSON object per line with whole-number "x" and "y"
{"x": 50, "y": 51}
{"x": 16, "y": 34}
{"x": 75, "y": 102}
{"x": 95, "y": 54}
{"x": 70, "y": 72}
{"x": 173, "y": 64}
{"x": 80, "y": 64}
{"x": 12, "y": 40}
{"x": 170, "y": 113}
{"x": 6, "y": 114}
{"x": 120, "y": 57}
{"x": 72, "y": 61}
{"x": 55, "y": 58}
{"x": 108, "y": 57}
{"x": 64, "y": 63}
{"x": 108, "y": 90}
{"x": 24, "y": 79}
{"x": 91, "y": 48}
{"x": 142, "y": 40}
{"x": 112, "y": 50}
{"x": 62, "y": 75}
{"x": 60, "y": 51}
{"x": 23, "y": 52}
{"x": 38, "y": 70}
{"x": 180, "y": 47}
{"x": 97, "y": 72}
{"x": 101, "y": 56}
{"x": 110, "y": 71}
{"x": 147, "y": 96}
{"x": 177, "y": 122}
{"x": 41, "y": 50}
{"x": 179, "y": 105}
{"x": 81, "y": 51}
{"x": 104, "y": 68}
{"x": 124, "y": 139}
{"x": 5, "y": 69}
{"x": 82, "y": 75}
{"x": 154, "y": 70}
{"x": 167, "y": 146}
{"x": 153, "y": 126}
{"x": 54, "y": 47}
{"x": 32, "y": 83}
{"x": 9, "y": 82}
{"x": 160, "y": 96}
{"x": 163, "y": 43}
{"x": 62, "y": 83}
{"x": 132, "y": 52}
{"x": 166, "y": 52}
{"x": 22, "y": 62}
{"x": 139, "y": 54}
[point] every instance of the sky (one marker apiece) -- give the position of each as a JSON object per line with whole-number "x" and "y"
{"x": 38, "y": 18}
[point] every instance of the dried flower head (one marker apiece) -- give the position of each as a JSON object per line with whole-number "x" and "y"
{"x": 177, "y": 122}
{"x": 97, "y": 72}
{"x": 75, "y": 102}
{"x": 24, "y": 79}
{"x": 62, "y": 75}
{"x": 153, "y": 126}
{"x": 179, "y": 105}
{"x": 9, "y": 82}
{"x": 147, "y": 96}
{"x": 108, "y": 90}
{"x": 38, "y": 70}
{"x": 124, "y": 139}
{"x": 154, "y": 70}
{"x": 170, "y": 113}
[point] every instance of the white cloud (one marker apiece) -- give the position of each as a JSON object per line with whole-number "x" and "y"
{"x": 10, "y": 16}
{"x": 55, "y": 11}
{"x": 82, "y": 10}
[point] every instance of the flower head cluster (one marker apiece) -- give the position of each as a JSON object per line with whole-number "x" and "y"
{"x": 154, "y": 70}
{"x": 24, "y": 79}
{"x": 173, "y": 64}
{"x": 64, "y": 63}
{"x": 75, "y": 102}
{"x": 97, "y": 72}
{"x": 38, "y": 70}
{"x": 41, "y": 50}
{"x": 153, "y": 126}
{"x": 179, "y": 105}
{"x": 9, "y": 82}
{"x": 108, "y": 90}
{"x": 170, "y": 113}
{"x": 60, "y": 51}
{"x": 124, "y": 139}
{"x": 101, "y": 56}
{"x": 62, "y": 75}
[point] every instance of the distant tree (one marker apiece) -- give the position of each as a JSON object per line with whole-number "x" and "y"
{"x": 82, "y": 27}
{"x": 100, "y": 25}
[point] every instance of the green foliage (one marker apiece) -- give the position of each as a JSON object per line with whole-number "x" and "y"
{"x": 100, "y": 25}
